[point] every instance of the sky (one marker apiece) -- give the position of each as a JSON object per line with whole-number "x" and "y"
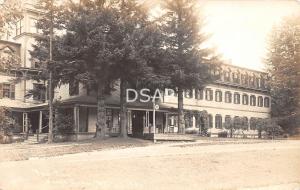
{"x": 240, "y": 28}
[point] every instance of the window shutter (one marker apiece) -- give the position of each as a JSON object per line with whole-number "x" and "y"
{"x": 1, "y": 90}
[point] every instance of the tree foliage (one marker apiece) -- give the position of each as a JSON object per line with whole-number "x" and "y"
{"x": 6, "y": 122}
{"x": 64, "y": 123}
{"x": 10, "y": 13}
{"x": 284, "y": 67}
{"x": 104, "y": 42}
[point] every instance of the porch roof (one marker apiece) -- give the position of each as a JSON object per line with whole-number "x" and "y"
{"x": 20, "y": 104}
{"x": 113, "y": 101}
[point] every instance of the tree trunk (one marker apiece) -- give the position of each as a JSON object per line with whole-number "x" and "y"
{"x": 101, "y": 113}
{"x": 181, "y": 125}
{"x": 123, "y": 108}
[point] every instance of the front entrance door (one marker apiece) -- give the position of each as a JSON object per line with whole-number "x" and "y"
{"x": 137, "y": 123}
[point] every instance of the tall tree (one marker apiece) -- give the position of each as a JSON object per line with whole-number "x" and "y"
{"x": 137, "y": 37}
{"x": 187, "y": 59}
{"x": 44, "y": 51}
{"x": 284, "y": 68}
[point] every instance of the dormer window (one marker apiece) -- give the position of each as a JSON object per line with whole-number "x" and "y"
{"x": 227, "y": 76}
{"x": 244, "y": 79}
{"x": 236, "y": 77}
{"x": 257, "y": 82}
{"x": 217, "y": 74}
{"x": 252, "y": 81}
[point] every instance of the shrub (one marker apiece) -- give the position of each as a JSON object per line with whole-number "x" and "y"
{"x": 64, "y": 123}
{"x": 6, "y": 126}
{"x": 223, "y": 134}
{"x": 192, "y": 131}
{"x": 272, "y": 129}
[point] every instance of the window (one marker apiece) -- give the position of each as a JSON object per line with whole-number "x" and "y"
{"x": 218, "y": 120}
{"x": 252, "y": 123}
{"x": 245, "y": 99}
{"x": 74, "y": 88}
{"x": 199, "y": 94}
{"x": 260, "y": 101}
{"x": 7, "y": 90}
{"x": 176, "y": 92}
{"x": 237, "y": 122}
{"x": 252, "y": 100}
{"x": 209, "y": 94}
{"x": 227, "y": 123}
{"x": 228, "y": 97}
{"x": 188, "y": 93}
{"x": 19, "y": 27}
{"x": 267, "y": 102}
{"x": 210, "y": 121}
{"x": 33, "y": 27}
{"x": 189, "y": 121}
{"x": 237, "y": 98}
{"x": 245, "y": 123}
{"x": 170, "y": 92}
{"x": 39, "y": 92}
{"x": 218, "y": 96}
{"x": 35, "y": 63}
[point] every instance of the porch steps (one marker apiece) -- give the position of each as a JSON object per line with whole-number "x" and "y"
{"x": 174, "y": 137}
{"x": 32, "y": 139}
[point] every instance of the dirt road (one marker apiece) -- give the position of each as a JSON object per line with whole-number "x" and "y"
{"x": 271, "y": 165}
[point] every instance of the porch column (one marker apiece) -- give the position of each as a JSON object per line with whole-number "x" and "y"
{"x": 25, "y": 122}
{"x": 166, "y": 123}
{"x": 76, "y": 120}
{"x": 147, "y": 122}
{"x": 41, "y": 122}
{"x": 213, "y": 121}
{"x": 129, "y": 122}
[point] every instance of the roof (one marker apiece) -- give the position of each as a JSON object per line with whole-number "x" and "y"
{"x": 10, "y": 42}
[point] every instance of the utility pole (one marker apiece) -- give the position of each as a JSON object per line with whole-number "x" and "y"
{"x": 50, "y": 134}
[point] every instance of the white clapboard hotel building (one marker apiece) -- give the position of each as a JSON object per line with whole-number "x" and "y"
{"x": 238, "y": 92}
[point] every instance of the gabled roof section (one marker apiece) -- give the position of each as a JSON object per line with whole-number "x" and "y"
{"x": 10, "y": 47}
